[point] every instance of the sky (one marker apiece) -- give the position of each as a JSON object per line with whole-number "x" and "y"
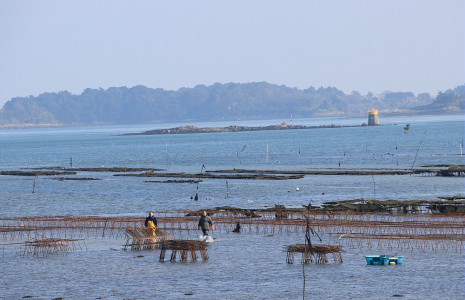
{"x": 358, "y": 45}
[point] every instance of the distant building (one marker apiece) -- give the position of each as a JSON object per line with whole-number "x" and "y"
{"x": 373, "y": 117}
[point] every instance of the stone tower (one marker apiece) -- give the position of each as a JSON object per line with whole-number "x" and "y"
{"x": 373, "y": 117}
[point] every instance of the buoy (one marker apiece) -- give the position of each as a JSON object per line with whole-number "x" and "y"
{"x": 297, "y": 189}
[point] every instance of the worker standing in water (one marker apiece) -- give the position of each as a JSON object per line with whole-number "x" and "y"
{"x": 205, "y": 223}
{"x": 151, "y": 224}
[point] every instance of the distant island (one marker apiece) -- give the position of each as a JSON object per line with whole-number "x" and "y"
{"x": 218, "y": 102}
{"x": 233, "y": 128}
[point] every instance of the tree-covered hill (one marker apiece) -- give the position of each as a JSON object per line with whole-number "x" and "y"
{"x": 231, "y": 101}
{"x": 448, "y": 101}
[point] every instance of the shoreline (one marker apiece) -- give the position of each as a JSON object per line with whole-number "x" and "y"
{"x": 336, "y": 116}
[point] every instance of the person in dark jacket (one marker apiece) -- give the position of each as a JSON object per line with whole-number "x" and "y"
{"x": 151, "y": 224}
{"x": 205, "y": 223}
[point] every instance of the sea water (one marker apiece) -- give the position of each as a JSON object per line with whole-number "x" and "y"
{"x": 240, "y": 265}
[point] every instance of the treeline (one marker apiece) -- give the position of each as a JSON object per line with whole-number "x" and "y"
{"x": 231, "y": 101}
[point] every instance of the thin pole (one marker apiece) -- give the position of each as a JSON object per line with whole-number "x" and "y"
{"x": 266, "y": 152}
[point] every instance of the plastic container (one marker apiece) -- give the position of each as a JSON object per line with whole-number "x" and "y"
{"x": 383, "y": 259}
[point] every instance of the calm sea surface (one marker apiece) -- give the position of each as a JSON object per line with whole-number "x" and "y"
{"x": 240, "y": 266}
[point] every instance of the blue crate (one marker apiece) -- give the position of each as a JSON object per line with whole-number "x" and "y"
{"x": 383, "y": 259}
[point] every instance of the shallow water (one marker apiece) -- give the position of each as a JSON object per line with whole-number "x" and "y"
{"x": 240, "y": 266}
{"x": 431, "y": 140}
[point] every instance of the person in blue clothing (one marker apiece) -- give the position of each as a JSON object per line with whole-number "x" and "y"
{"x": 205, "y": 223}
{"x": 151, "y": 224}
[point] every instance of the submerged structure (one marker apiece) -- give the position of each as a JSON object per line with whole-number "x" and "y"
{"x": 366, "y": 224}
{"x": 373, "y": 117}
{"x": 184, "y": 247}
{"x": 314, "y": 253}
{"x": 140, "y": 238}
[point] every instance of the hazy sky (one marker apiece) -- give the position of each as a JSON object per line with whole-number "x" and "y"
{"x": 356, "y": 45}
